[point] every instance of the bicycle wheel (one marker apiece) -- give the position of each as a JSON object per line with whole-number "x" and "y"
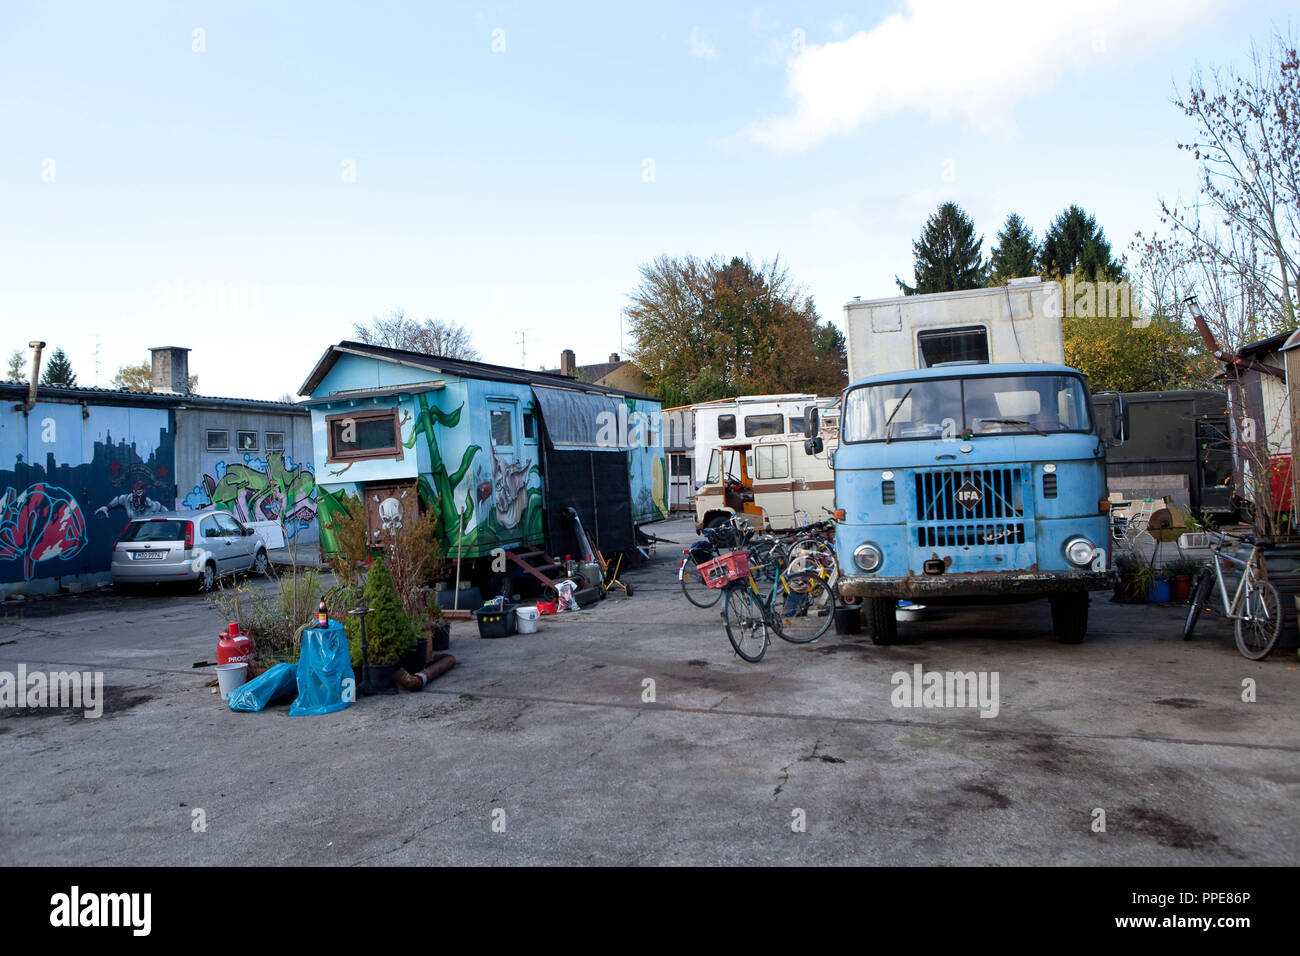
{"x": 694, "y": 586}
{"x": 1260, "y": 623}
{"x": 765, "y": 556}
{"x": 1200, "y": 600}
{"x": 746, "y": 628}
{"x": 804, "y": 612}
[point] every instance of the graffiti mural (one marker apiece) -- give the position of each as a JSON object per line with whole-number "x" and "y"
{"x": 42, "y": 523}
{"x": 275, "y": 488}
{"x": 71, "y": 479}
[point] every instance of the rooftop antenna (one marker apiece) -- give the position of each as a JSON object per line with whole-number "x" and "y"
{"x": 523, "y": 354}
{"x": 96, "y": 361}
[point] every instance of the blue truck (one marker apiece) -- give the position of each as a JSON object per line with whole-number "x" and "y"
{"x": 964, "y": 481}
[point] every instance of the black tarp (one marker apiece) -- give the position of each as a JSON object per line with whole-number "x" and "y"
{"x": 576, "y": 473}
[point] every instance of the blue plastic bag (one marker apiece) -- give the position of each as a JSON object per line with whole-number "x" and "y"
{"x": 325, "y": 680}
{"x": 278, "y": 683}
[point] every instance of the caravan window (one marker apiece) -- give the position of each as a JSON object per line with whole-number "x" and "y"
{"x": 502, "y": 432}
{"x": 364, "y": 434}
{"x": 772, "y": 461}
{"x": 726, "y": 426}
{"x": 756, "y": 425}
{"x": 966, "y": 344}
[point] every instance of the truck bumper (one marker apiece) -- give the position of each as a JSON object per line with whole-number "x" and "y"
{"x": 1025, "y": 583}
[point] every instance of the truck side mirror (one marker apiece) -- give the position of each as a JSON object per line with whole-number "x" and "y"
{"x": 812, "y": 423}
{"x": 813, "y": 446}
{"x": 1119, "y": 420}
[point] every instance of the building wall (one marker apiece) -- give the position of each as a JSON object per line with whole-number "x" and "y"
{"x": 251, "y": 479}
{"x": 71, "y": 477}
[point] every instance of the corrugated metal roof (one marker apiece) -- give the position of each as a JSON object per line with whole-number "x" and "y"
{"x": 120, "y": 396}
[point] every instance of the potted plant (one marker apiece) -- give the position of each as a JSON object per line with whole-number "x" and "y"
{"x": 1148, "y": 579}
{"x": 1129, "y": 590}
{"x": 390, "y": 635}
{"x": 1180, "y": 573}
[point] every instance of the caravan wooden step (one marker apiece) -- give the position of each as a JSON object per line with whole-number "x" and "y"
{"x": 530, "y": 555}
{"x": 535, "y": 572}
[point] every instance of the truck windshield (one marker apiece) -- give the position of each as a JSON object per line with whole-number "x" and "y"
{"x": 952, "y": 407}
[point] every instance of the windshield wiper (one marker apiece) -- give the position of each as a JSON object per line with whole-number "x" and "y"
{"x": 1013, "y": 421}
{"x": 890, "y": 420}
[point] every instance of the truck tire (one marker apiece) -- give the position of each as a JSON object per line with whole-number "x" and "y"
{"x": 1070, "y": 616}
{"x": 883, "y": 620}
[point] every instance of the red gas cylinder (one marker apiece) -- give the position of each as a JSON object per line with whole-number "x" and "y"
{"x": 234, "y": 647}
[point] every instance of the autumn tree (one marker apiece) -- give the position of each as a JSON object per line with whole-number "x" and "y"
{"x": 1119, "y": 353}
{"x": 15, "y": 371}
{"x": 704, "y": 329}
{"x": 1016, "y": 254}
{"x": 1236, "y": 245}
{"x": 947, "y": 257}
{"x": 397, "y": 330}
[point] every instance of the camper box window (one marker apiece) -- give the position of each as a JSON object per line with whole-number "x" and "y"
{"x": 756, "y": 425}
{"x": 966, "y": 344}
{"x": 726, "y": 426}
{"x": 356, "y": 436}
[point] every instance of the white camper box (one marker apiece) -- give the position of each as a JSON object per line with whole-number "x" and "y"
{"x": 1017, "y": 322}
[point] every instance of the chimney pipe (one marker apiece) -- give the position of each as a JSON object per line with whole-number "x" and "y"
{"x": 568, "y": 363}
{"x": 613, "y": 357}
{"x": 170, "y": 370}
{"x": 36, "y": 375}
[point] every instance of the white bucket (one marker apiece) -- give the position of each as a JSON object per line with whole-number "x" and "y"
{"x": 230, "y": 676}
{"x": 526, "y": 620}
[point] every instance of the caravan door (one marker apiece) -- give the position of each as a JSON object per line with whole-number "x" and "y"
{"x": 773, "y": 490}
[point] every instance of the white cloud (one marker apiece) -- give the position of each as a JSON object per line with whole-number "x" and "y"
{"x": 701, "y": 48}
{"x": 953, "y": 59}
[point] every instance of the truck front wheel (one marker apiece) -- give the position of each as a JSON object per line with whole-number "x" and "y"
{"x": 1070, "y": 616}
{"x": 883, "y": 620}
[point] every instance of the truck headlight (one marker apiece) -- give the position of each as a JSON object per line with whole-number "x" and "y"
{"x": 867, "y": 557}
{"x": 1080, "y": 551}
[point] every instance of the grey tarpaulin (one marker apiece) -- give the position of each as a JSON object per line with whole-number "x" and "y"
{"x": 574, "y": 419}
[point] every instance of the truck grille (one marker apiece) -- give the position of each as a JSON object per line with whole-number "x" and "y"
{"x": 995, "y": 520}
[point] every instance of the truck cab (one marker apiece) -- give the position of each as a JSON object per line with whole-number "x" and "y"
{"x": 972, "y": 483}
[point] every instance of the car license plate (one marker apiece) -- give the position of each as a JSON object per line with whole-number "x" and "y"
{"x": 148, "y": 555}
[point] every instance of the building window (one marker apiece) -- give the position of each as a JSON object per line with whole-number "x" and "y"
{"x": 773, "y": 461}
{"x": 360, "y": 435}
{"x": 726, "y": 426}
{"x": 275, "y": 441}
{"x": 503, "y": 435}
{"x": 246, "y": 441}
{"x": 756, "y": 425}
{"x": 218, "y": 440}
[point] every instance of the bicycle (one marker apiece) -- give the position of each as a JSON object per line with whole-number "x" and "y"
{"x": 1256, "y": 606}
{"x": 805, "y": 611}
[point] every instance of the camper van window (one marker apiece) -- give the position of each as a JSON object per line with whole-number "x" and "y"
{"x": 756, "y": 425}
{"x": 502, "y": 433}
{"x": 359, "y": 435}
{"x": 773, "y": 461}
{"x": 967, "y": 344}
{"x": 798, "y": 425}
{"x": 715, "y": 467}
{"x": 726, "y": 426}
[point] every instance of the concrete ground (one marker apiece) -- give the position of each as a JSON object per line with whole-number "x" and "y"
{"x": 546, "y": 748}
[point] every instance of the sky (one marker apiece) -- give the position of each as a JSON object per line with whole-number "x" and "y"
{"x": 251, "y": 179}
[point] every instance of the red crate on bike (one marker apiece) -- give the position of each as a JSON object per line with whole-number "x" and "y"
{"x": 721, "y": 571}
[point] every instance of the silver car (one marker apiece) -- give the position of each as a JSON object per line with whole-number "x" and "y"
{"x": 186, "y": 546}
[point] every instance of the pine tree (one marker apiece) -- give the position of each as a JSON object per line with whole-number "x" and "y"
{"x": 59, "y": 370}
{"x": 1016, "y": 254}
{"x": 1073, "y": 244}
{"x": 390, "y": 635}
{"x": 947, "y": 256}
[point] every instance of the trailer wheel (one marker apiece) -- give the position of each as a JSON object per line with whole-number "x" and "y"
{"x": 1070, "y": 616}
{"x": 882, "y": 618}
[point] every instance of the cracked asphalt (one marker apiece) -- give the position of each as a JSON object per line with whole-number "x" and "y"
{"x": 551, "y": 749}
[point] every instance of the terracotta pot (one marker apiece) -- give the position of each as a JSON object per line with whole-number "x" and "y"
{"x": 1180, "y": 587}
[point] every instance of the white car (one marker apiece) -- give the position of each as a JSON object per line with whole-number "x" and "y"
{"x": 199, "y": 546}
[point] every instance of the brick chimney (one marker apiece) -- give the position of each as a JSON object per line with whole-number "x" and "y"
{"x": 613, "y": 357}
{"x": 171, "y": 370}
{"x": 568, "y": 363}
